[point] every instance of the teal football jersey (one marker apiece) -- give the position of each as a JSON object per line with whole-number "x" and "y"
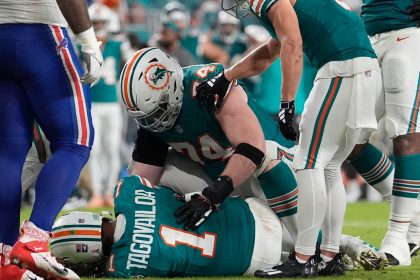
{"x": 153, "y": 244}
{"x": 191, "y": 43}
{"x": 329, "y": 32}
{"x": 106, "y": 88}
{"x": 198, "y": 135}
{"x": 386, "y": 15}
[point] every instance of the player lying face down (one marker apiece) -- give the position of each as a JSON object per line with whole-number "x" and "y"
{"x": 144, "y": 239}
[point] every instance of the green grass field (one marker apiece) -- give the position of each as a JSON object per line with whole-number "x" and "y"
{"x": 367, "y": 220}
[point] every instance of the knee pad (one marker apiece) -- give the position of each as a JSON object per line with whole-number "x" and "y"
{"x": 394, "y": 74}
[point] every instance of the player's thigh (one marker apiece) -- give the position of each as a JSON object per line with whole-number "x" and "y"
{"x": 183, "y": 175}
{"x": 366, "y": 97}
{"x": 401, "y": 79}
{"x": 15, "y": 111}
{"x": 323, "y": 124}
{"x": 60, "y": 102}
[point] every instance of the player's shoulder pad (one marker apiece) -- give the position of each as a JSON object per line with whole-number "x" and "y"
{"x": 132, "y": 182}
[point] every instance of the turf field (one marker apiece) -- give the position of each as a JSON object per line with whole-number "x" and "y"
{"x": 367, "y": 220}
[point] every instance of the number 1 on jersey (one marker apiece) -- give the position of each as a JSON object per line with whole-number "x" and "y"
{"x": 205, "y": 242}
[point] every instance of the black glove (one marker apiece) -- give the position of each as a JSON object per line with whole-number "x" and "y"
{"x": 287, "y": 111}
{"x": 414, "y": 12}
{"x": 194, "y": 212}
{"x": 199, "y": 206}
{"x": 213, "y": 91}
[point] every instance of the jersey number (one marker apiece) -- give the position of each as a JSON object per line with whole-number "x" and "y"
{"x": 203, "y": 72}
{"x": 205, "y": 242}
{"x": 109, "y": 74}
{"x": 206, "y": 148}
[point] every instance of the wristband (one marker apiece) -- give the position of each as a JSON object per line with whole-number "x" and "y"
{"x": 287, "y": 105}
{"x": 220, "y": 189}
{"x": 87, "y": 37}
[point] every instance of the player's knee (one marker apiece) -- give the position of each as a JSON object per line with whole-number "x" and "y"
{"x": 357, "y": 151}
{"x": 80, "y": 151}
{"x": 394, "y": 74}
{"x": 407, "y": 144}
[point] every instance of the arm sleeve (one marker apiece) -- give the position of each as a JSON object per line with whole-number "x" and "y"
{"x": 149, "y": 149}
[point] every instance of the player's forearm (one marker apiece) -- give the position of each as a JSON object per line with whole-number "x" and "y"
{"x": 239, "y": 169}
{"x": 252, "y": 64}
{"x": 215, "y": 53}
{"x": 76, "y": 14}
{"x": 291, "y": 64}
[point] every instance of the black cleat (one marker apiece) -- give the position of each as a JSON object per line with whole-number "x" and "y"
{"x": 392, "y": 260}
{"x": 335, "y": 267}
{"x": 414, "y": 248}
{"x": 291, "y": 268}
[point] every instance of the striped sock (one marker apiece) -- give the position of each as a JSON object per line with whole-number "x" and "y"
{"x": 280, "y": 189}
{"x": 377, "y": 170}
{"x": 404, "y": 194}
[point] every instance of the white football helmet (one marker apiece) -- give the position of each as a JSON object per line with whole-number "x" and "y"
{"x": 76, "y": 238}
{"x": 237, "y": 8}
{"x": 151, "y": 86}
{"x": 229, "y": 27}
{"x": 171, "y": 9}
{"x": 100, "y": 13}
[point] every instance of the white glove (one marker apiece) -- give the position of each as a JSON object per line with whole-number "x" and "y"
{"x": 91, "y": 55}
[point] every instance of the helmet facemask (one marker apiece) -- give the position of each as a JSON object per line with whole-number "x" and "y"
{"x": 236, "y": 8}
{"x": 162, "y": 118}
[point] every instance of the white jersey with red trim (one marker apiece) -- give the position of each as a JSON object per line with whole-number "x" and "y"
{"x": 31, "y": 11}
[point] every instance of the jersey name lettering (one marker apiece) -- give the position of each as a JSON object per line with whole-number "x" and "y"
{"x": 144, "y": 226}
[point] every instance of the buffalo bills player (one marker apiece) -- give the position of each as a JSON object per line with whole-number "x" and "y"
{"x": 41, "y": 78}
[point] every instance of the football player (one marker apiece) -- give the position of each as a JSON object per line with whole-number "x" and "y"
{"x": 338, "y": 115}
{"x": 395, "y": 36}
{"x": 144, "y": 239}
{"x": 42, "y": 79}
{"x": 231, "y": 145}
{"x": 104, "y": 162}
{"x": 228, "y": 36}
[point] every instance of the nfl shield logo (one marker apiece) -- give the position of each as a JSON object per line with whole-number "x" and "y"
{"x": 81, "y": 248}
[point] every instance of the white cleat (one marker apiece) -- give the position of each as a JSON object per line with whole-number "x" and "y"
{"x": 397, "y": 251}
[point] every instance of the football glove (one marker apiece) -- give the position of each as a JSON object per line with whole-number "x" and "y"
{"x": 414, "y": 12}
{"x": 199, "y": 205}
{"x": 287, "y": 111}
{"x": 213, "y": 91}
{"x": 91, "y": 56}
{"x": 194, "y": 212}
